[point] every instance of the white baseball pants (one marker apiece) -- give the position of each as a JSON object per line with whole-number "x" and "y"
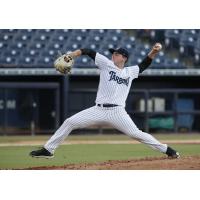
{"x": 117, "y": 117}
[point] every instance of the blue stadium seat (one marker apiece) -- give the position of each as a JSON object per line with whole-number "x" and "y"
{"x": 28, "y": 32}
{"x": 95, "y": 47}
{"x": 39, "y": 45}
{"x": 197, "y": 52}
{"x": 7, "y": 61}
{"x": 26, "y": 61}
{"x": 84, "y": 62}
{"x": 63, "y": 32}
{"x": 172, "y": 38}
{"x": 187, "y": 44}
{"x": 173, "y": 64}
{"x": 29, "y": 47}
{"x": 115, "y": 40}
{"x": 41, "y": 38}
{"x": 11, "y": 53}
{"x": 108, "y": 45}
{"x": 59, "y": 38}
{"x": 33, "y": 53}
{"x": 81, "y": 32}
{"x": 157, "y": 35}
{"x": 77, "y": 38}
{"x": 95, "y": 39}
{"x": 3, "y": 45}
{"x": 50, "y": 52}
{"x": 9, "y": 31}
{"x": 98, "y": 32}
{"x": 141, "y": 50}
{"x": 115, "y": 32}
{"x": 190, "y": 33}
{"x": 47, "y": 32}
{"x": 71, "y": 46}
{"x": 143, "y": 33}
{"x": 6, "y": 37}
{"x": 22, "y": 38}
{"x": 158, "y": 63}
{"x": 45, "y": 61}
{"x": 18, "y": 45}
{"x": 128, "y": 43}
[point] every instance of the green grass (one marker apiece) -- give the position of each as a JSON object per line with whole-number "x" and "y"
{"x": 10, "y": 139}
{"x": 17, "y": 157}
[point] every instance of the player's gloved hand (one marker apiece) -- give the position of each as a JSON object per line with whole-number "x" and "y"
{"x": 64, "y": 63}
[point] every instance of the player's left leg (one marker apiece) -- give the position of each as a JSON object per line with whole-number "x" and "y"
{"x": 82, "y": 119}
{"x": 122, "y": 121}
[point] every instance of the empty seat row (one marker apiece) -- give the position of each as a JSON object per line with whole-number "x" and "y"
{"x": 40, "y": 47}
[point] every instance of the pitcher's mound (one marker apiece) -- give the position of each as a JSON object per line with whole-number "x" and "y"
{"x": 149, "y": 163}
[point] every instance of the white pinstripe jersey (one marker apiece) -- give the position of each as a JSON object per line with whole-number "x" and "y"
{"x": 114, "y": 83}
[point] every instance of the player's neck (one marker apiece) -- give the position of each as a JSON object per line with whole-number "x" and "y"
{"x": 120, "y": 65}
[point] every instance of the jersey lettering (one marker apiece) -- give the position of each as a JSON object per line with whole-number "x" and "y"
{"x": 118, "y": 79}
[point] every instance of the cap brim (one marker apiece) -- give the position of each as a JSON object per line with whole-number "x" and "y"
{"x": 111, "y": 50}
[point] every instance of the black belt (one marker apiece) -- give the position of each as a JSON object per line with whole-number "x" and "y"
{"x": 107, "y": 105}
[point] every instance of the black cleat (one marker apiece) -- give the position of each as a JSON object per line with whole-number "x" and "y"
{"x": 41, "y": 153}
{"x": 172, "y": 153}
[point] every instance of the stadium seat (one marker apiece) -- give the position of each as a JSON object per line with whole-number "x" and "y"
{"x": 56, "y": 46}
{"x": 172, "y": 38}
{"x": 187, "y": 44}
{"x": 71, "y": 46}
{"x": 77, "y": 38}
{"x": 28, "y": 32}
{"x": 115, "y": 32}
{"x": 26, "y": 61}
{"x": 18, "y": 45}
{"x": 84, "y": 62}
{"x": 128, "y": 43}
{"x": 45, "y": 61}
{"x": 47, "y": 32}
{"x": 7, "y": 61}
{"x": 173, "y": 64}
{"x": 3, "y": 45}
{"x": 6, "y": 37}
{"x": 59, "y": 38}
{"x": 11, "y": 53}
{"x": 9, "y": 31}
{"x": 98, "y": 32}
{"x": 95, "y": 39}
{"x": 157, "y": 35}
{"x": 33, "y": 44}
{"x": 81, "y": 32}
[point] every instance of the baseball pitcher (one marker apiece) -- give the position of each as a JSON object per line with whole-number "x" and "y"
{"x": 114, "y": 85}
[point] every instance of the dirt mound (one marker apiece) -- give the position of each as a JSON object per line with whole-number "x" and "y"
{"x": 150, "y": 163}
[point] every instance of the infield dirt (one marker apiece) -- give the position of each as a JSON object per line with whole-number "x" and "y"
{"x": 150, "y": 163}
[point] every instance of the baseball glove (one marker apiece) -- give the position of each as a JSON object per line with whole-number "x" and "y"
{"x": 64, "y": 63}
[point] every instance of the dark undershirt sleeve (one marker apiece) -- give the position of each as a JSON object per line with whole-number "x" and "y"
{"x": 145, "y": 64}
{"x": 89, "y": 52}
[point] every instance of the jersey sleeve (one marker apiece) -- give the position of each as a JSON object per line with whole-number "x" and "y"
{"x": 101, "y": 61}
{"x": 134, "y": 71}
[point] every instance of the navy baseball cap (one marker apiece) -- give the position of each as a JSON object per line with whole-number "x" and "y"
{"x": 121, "y": 51}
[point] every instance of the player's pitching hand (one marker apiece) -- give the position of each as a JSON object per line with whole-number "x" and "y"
{"x": 156, "y": 48}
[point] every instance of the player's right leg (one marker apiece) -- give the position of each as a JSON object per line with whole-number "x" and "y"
{"x": 122, "y": 121}
{"x": 82, "y": 119}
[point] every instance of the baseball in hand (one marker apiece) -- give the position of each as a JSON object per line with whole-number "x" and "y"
{"x": 158, "y": 46}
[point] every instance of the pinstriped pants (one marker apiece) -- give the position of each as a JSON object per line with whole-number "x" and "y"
{"x": 117, "y": 117}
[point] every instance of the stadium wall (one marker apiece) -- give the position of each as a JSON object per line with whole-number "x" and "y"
{"x": 39, "y": 104}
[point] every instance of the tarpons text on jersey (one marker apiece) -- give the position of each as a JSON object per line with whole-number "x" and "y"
{"x": 118, "y": 79}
